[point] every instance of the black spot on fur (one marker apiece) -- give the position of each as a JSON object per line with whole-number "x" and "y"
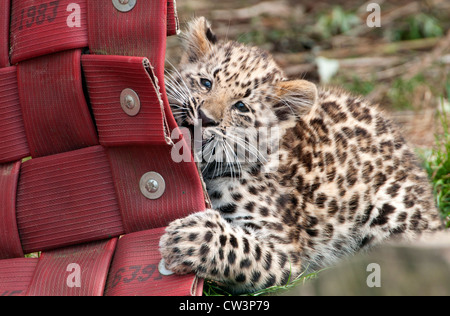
{"x": 240, "y": 278}
{"x": 228, "y": 208}
{"x": 192, "y": 236}
{"x": 226, "y": 271}
{"x": 204, "y": 250}
{"x": 257, "y": 253}
{"x": 400, "y": 229}
{"x": 214, "y": 271}
{"x": 334, "y": 111}
{"x": 379, "y": 180}
{"x": 252, "y": 190}
{"x": 223, "y": 240}
{"x": 352, "y": 175}
{"x": 393, "y": 190}
{"x": 264, "y": 211}
{"x": 353, "y": 203}
{"x": 236, "y": 196}
{"x": 333, "y": 207}
{"x": 246, "y": 245}
{"x": 415, "y": 220}
{"x": 191, "y": 251}
{"x": 367, "y": 171}
{"x": 408, "y": 200}
{"x": 312, "y": 232}
{"x": 270, "y": 281}
{"x": 233, "y": 241}
{"x": 282, "y": 260}
{"x": 402, "y": 217}
{"x": 381, "y": 126}
{"x": 210, "y": 224}
{"x": 256, "y": 276}
{"x": 283, "y": 200}
{"x": 245, "y": 263}
{"x": 211, "y": 36}
{"x": 250, "y": 206}
{"x": 320, "y": 200}
{"x": 328, "y": 231}
{"x": 208, "y": 236}
{"x": 366, "y": 241}
{"x": 268, "y": 261}
{"x": 216, "y": 195}
{"x": 231, "y": 257}
{"x": 286, "y": 277}
{"x": 383, "y": 216}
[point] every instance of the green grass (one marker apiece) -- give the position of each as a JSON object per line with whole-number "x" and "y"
{"x": 401, "y": 94}
{"x": 33, "y": 255}
{"x": 418, "y": 26}
{"x": 289, "y": 40}
{"x": 355, "y": 85}
{"x": 337, "y": 21}
{"x": 437, "y": 164}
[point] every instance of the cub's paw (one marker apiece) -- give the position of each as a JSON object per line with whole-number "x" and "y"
{"x": 185, "y": 241}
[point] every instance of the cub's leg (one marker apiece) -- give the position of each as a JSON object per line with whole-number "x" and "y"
{"x": 213, "y": 248}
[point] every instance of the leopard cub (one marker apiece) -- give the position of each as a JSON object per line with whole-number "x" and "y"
{"x": 341, "y": 178}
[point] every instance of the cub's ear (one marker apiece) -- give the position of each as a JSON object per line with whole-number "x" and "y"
{"x": 198, "y": 40}
{"x": 294, "y": 98}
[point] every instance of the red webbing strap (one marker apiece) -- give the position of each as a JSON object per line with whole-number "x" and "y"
{"x": 75, "y": 191}
{"x": 75, "y": 271}
{"x": 67, "y": 199}
{"x": 140, "y": 32}
{"x": 10, "y": 246}
{"x": 46, "y": 26}
{"x": 55, "y": 113}
{"x": 173, "y": 24}
{"x": 106, "y": 78}
{"x": 16, "y": 275}
{"x": 13, "y": 141}
{"x": 4, "y": 33}
{"x": 134, "y": 270}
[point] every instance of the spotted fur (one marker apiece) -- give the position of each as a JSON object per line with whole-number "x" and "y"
{"x": 345, "y": 178}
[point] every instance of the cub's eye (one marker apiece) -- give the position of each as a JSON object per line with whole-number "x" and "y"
{"x": 206, "y": 83}
{"x": 241, "y": 107}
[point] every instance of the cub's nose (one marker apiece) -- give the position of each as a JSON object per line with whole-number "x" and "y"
{"x": 206, "y": 121}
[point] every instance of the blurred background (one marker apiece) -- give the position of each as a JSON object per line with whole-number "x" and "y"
{"x": 402, "y": 65}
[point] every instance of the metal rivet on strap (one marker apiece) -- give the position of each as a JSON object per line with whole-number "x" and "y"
{"x": 162, "y": 268}
{"x": 152, "y": 185}
{"x": 129, "y": 100}
{"x": 124, "y": 5}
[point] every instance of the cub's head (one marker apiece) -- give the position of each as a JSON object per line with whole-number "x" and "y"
{"x": 231, "y": 92}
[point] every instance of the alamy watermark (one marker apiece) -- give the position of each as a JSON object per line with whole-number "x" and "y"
{"x": 374, "y": 278}
{"x": 74, "y": 278}
{"x": 374, "y": 18}
{"x": 74, "y": 18}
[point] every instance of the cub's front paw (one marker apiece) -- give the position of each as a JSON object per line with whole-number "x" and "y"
{"x": 183, "y": 243}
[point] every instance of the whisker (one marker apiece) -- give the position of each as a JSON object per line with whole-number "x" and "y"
{"x": 181, "y": 77}
{"x": 242, "y": 142}
{"x": 237, "y": 160}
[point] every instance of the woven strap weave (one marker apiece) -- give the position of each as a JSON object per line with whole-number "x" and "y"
{"x": 72, "y": 157}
